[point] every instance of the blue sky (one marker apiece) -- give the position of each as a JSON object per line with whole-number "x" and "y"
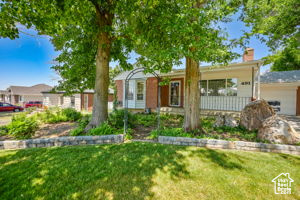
{"x": 27, "y": 60}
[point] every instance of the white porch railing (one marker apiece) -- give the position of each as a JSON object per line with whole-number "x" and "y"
{"x": 226, "y": 103}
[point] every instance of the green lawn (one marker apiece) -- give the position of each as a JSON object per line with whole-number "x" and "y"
{"x": 143, "y": 171}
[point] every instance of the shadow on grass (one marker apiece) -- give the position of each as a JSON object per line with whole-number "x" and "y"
{"x": 87, "y": 172}
{"x": 123, "y": 171}
{"x": 219, "y": 158}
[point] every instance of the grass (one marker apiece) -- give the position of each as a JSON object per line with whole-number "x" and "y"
{"x": 143, "y": 171}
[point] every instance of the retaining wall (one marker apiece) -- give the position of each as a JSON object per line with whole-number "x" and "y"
{"x": 61, "y": 141}
{"x": 223, "y": 144}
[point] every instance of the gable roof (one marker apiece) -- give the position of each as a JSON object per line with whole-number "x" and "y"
{"x": 24, "y": 90}
{"x": 281, "y": 77}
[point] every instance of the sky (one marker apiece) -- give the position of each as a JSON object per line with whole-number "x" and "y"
{"x": 26, "y": 61}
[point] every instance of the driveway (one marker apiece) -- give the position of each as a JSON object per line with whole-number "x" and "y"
{"x": 294, "y": 121}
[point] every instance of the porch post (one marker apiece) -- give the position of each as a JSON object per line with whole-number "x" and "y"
{"x": 258, "y": 82}
{"x": 253, "y": 84}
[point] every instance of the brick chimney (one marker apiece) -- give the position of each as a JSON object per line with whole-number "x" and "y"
{"x": 248, "y": 55}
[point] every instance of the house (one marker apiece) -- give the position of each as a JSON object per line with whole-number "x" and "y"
{"x": 282, "y": 91}
{"x": 226, "y": 88}
{"x": 80, "y": 101}
{"x": 283, "y": 183}
{"x": 22, "y": 94}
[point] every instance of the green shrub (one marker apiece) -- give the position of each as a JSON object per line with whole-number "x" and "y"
{"x": 129, "y": 134}
{"x": 22, "y": 127}
{"x": 3, "y": 130}
{"x": 103, "y": 129}
{"x": 71, "y": 114}
{"x": 116, "y": 119}
{"x": 56, "y": 115}
{"x": 174, "y": 132}
{"x": 146, "y": 120}
{"x": 171, "y": 120}
{"x": 81, "y": 126}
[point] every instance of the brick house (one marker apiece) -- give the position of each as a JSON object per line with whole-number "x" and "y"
{"x": 227, "y": 88}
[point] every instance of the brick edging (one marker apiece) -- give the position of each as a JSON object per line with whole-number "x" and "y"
{"x": 224, "y": 144}
{"x": 61, "y": 141}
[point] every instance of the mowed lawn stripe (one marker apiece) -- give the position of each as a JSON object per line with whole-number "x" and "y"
{"x": 143, "y": 171}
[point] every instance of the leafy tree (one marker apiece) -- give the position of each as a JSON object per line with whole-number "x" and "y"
{"x": 277, "y": 23}
{"x": 286, "y": 59}
{"x": 185, "y": 30}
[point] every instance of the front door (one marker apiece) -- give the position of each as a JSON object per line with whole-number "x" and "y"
{"x": 298, "y": 102}
{"x": 174, "y": 93}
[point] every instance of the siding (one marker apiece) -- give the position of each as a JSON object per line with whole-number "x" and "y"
{"x": 287, "y": 95}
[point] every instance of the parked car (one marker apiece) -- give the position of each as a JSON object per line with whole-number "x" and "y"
{"x": 38, "y": 104}
{"x": 4, "y": 107}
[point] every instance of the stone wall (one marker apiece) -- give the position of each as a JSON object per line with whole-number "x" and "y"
{"x": 61, "y": 141}
{"x": 237, "y": 145}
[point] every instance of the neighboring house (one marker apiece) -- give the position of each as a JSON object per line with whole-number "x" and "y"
{"x": 282, "y": 91}
{"x": 22, "y": 94}
{"x": 227, "y": 88}
{"x": 83, "y": 101}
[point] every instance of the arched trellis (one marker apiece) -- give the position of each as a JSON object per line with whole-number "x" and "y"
{"x": 129, "y": 76}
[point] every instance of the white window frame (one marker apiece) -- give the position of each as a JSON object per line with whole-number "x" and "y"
{"x": 136, "y": 90}
{"x": 179, "y": 101}
{"x": 21, "y": 99}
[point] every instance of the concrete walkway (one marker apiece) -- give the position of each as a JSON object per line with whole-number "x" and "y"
{"x": 294, "y": 121}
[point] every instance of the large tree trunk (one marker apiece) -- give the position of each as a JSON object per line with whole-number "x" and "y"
{"x": 192, "y": 96}
{"x": 100, "y": 111}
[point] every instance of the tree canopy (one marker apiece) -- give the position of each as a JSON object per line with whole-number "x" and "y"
{"x": 276, "y": 22}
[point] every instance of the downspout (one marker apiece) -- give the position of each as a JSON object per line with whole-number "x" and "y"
{"x": 258, "y": 82}
{"x": 253, "y": 84}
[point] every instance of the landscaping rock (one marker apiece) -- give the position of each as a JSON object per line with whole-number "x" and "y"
{"x": 278, "y": 130}
{"x": 225, "y": 120}
{"x": 255, "y": 113}
{"x": 219, "y": 121}
{"x": 230, "y": 121}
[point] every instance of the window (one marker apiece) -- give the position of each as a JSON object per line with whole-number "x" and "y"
{"x": 72, "y": 101}
{"x": 231, "y": 89}
{"x": 203, "y": 88}
{"x": 20, "y": 98}
{"x": 217, "y": 87}
{"x": 130, "y": 91}
{"x": 175, "y": 93}
{"x": 140, "y": 91}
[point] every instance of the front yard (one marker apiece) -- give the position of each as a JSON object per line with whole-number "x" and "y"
{"x": 143, "y": 171}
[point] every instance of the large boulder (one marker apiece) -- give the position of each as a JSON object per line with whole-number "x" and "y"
{"x": 278, "y": 130}
{"x": 225, "y": 120}
{"x": 255, "y": 113}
